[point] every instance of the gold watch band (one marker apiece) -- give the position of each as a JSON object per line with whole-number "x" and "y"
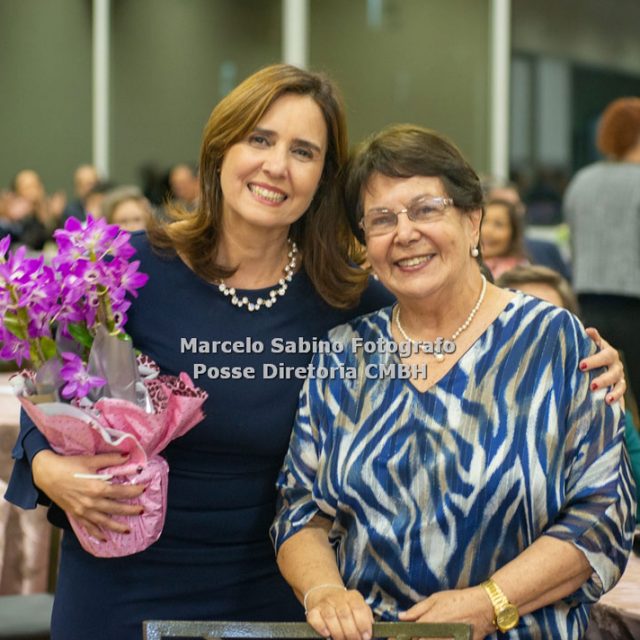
{"x": 496, "y": 595}
{"x": 506, "y": 614}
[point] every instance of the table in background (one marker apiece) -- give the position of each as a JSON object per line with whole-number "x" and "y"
{"x": 617, "y": 615}
{"x": 24, "y": 535}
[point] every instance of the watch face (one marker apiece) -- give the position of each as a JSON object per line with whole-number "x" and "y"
{"x": 507, "y": 618}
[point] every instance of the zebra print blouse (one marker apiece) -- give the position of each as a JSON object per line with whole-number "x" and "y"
{"x": 437, "y": 490}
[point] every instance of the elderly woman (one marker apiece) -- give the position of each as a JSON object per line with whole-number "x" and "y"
{"x": 448, "y": 462}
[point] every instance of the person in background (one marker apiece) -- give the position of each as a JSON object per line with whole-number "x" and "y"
{"x": 37, "y": 226}
{"x": 602, "y": 206}
{"x": 487, "y": 485}
{"x": 539, "y": 251}
{"x": 95, "y": 197}
{"x": 85, "y": 178}
{"x": 550, "y": 286}
{"x": 15, "y": 213}
{"x": 183, "y": 181}
{"x": 501, "y": 237}
{"x": 128, "y": 208}
{"x": 541, "y": 282}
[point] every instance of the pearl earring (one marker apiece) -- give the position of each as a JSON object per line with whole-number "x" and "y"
{"x": 474, "y": 252}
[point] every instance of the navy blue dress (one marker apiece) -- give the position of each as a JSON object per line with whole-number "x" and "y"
{"x": 214, "y": 559}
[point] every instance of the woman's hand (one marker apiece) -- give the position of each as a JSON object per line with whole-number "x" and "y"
{"x": 341, "y": 615}
{"x": 90, "y": 501}
{"x": 606, "y": 357}
{"x": 470, "y": 606}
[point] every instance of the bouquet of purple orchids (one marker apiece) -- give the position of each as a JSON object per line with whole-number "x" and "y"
{"x": 86, "y": 389}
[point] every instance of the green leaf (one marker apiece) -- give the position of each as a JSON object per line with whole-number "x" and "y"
{"x": 34, "y": 356}
{"x": 81, "y": 334}
{"x": 13, "y": 325}
{"x": 48, "y": 348}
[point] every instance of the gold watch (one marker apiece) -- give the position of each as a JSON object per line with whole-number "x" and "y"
{"x": 506, "y": 614}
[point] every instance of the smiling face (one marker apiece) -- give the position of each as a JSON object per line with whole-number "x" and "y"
{"x": 269, "y": 178}
{"x": 497, "y": 232}
{"x": 417, "y": 260}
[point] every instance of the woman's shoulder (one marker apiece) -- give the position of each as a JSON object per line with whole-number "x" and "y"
{"x": 542, "y": 322}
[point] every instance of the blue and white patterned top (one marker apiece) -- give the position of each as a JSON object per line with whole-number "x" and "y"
{"x": 437, "y": 490}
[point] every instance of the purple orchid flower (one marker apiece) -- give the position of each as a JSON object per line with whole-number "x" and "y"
{"x": 5, "y": 243}
{"x": 78, "y": 380}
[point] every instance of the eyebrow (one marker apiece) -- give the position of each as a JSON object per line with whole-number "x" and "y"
{"x": 299, "y": 141}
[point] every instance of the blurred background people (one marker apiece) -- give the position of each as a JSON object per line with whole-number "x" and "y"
{"x": 602, "y": 205}
{"x": 183, "y": 183}
{"x": 541, "y": 282}
{"x": 127, "y": 207}
{"x": 34, "y": 214}
{"x": 85, "y": 178}
{"x": 95, "y": 197}
{"x": 538, "y": 250}
{"x": 502, "y": 237}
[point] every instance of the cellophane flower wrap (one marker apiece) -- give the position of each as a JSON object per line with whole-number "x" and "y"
{"x": 86, "y": 389}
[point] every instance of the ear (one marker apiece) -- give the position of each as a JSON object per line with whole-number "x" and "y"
{"x": 475, "y": 219}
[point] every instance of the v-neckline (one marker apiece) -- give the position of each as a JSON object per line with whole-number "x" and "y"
{"x": 471, "y": 348}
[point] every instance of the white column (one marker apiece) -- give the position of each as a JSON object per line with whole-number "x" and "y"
{"x": 500, "y": 39}
{"x": 101, "y": 33}
{"x": 295, "y": 32}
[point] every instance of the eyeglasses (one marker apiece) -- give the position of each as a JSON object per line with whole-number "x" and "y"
{"x": 378, "y": 222}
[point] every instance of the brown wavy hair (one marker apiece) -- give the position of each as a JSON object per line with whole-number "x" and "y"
{"x": 329, "y": 250}
{"x": 619, "y": 129}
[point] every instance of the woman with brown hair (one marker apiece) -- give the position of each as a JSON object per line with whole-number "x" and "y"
{"x": 502, "y": 237}
{"x": 228, "y": 302}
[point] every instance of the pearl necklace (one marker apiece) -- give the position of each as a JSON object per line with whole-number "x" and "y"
{"x": 280, "y": 290}
{"x": 440, "y": 356}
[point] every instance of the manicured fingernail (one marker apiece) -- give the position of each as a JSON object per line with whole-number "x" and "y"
{"x": 139, "y": 470}
{"x": 594, "y": 386}
{"x": 127, "y": 532}
{"x": 609, "y": 399}
{"x": 583, "y": 366}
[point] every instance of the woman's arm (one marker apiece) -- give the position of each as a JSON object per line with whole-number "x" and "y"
{"x": 547, "y": 571}
{"x": 308, "y": 563}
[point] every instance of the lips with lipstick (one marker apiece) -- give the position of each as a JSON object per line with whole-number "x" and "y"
{"x": 268, "y": 194}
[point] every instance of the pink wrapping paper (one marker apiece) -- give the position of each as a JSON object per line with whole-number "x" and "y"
{"x": 119, "y": 426}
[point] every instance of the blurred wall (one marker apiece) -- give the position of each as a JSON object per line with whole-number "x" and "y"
{"x": 45, "y": 89}
{"x": 171, "y": 63}
{"x": 570, "y": 59}
{"x": 595, "y": 32}
{"x": 418, "y": 61}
